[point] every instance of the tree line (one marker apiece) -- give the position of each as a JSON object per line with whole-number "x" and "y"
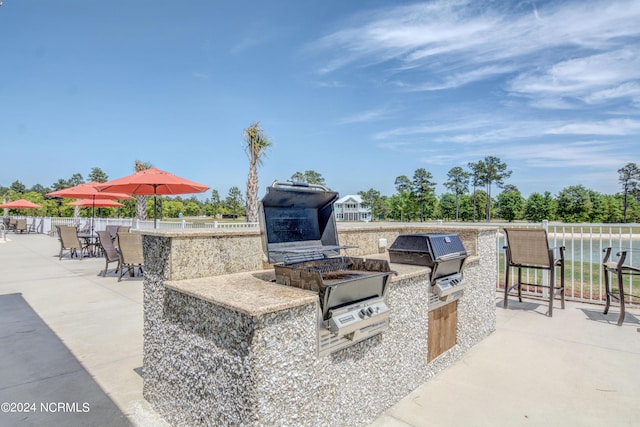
{"x": 469, "y": 196}
{"x": 468, "y": 199}
{"x": 170, "y": 207}
{"x": 214, "y": 206}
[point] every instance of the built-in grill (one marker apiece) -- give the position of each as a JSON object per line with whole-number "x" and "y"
{"x": 300, "y": 238}
{"x": 443, "y": 253}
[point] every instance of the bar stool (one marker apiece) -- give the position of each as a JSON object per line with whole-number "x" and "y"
{"x": 620, "y": 269}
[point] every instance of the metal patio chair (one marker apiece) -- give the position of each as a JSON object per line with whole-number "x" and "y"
{"x": 69, "y": 240}
{"x": 21, "y": 226}
{"x": 620, "y": 269}
{"x": 109, "y": 250}
{"x": 85, "y": 228}
{"x": 112, "y": 230}
{"x": 123, "y": 229}
{"x": 131, "y": 255}
{"x": 528, "y": 248}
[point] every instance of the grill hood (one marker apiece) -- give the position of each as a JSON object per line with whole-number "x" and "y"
{"x": 297, "y": 222}
{"x": 443, "y": 253}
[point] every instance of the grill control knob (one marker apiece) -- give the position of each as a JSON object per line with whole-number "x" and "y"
{"x": 362, "y": 313}
{"x": 370, "y": 311}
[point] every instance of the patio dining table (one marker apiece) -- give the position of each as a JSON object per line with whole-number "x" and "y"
{"x": 92, "y": 243}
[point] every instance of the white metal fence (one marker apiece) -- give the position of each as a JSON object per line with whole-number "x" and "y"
{"x": 47, "y": 225}
{"x": 584, "y": 250}
{"x": 191, "y": 225}
{"x": 584, "y": 245}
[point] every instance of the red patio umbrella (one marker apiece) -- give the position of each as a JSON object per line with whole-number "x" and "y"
{"x": 102, "y": 203}
{"x": 20, "y": 204}
{"x": 152, "y": 181}
{"x": 88, "y": 191}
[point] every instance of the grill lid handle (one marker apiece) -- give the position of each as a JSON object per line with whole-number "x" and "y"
{"x": 299, "y": 184}
{"x": 452, "y": 255}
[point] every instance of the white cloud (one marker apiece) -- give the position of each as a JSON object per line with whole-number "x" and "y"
{"x": 469, "y": 73}
{"x": 582, "y": 76}
{"x": 562, "y": 155}
{"x": 368, "y": 116}
{"x": 607, "y": 127}
{"x": 433, "y": 128}
{"x": 625, "y": 90}
{"x": 531, "y": 142}
{"x": 331, "y": 84}
{"x": 444, "y": 45}
{"x": 398, "y": 146}
{"x": 463, "y": 78}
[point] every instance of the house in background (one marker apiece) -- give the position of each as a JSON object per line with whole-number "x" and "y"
{"x": 349, "y": 208}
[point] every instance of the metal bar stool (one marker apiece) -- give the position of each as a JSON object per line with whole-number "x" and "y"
{"x": 620, "y": 269}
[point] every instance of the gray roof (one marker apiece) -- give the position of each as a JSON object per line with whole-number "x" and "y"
{"x": 346, "y": 198}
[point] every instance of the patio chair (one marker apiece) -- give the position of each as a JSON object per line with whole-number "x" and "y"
{"x": 69, "y": 240}
{"x": 110, "y": 252}
{"x": 85, "y": 228}
{"x": 112, "y": 230}
{"x": 21, "y": 226}
{"x": 620, "y": 269}
{"x": 12, "y": 224}
{"x": 131, "y": 256}
{"x": 528, "y": 248}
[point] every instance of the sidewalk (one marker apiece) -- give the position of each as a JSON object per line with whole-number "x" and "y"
{"x": 69, "y": 336}
{"x": 576, "y": 369}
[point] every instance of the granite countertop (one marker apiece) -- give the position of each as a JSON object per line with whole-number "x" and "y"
{"x": 203, "y": 232}
{"x": 255, "y": 293}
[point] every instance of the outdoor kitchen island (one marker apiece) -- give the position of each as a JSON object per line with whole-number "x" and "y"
{"x": 225, "y": 345}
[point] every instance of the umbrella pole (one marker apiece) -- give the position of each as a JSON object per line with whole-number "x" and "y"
{"x": 155, "y": 206}
{"x": 93, "y": 208}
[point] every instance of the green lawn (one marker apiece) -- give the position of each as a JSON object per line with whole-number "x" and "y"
{"x": 586, "y": 282}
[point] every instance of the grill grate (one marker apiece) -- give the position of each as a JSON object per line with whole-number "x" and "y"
{"x": 325, "y": 266}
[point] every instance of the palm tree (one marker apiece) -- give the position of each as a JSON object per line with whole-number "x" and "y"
{"x": 257, "y": 144}
{"x": 141, "y": 209}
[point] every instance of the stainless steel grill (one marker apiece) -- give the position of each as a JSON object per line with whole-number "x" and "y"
{"x": 300, "y": 238}
{"x": 443, "y": 253}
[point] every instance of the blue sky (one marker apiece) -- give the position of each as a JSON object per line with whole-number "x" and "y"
{"x": 361, "y": 92}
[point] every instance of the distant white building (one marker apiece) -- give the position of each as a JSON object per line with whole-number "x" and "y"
{"x": 349, "y": 208}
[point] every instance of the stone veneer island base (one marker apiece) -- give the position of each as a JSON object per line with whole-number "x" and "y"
{"x": 224, "y": 345}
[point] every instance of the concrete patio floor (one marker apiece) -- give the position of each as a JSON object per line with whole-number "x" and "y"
{"x": 71, "y": 343}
